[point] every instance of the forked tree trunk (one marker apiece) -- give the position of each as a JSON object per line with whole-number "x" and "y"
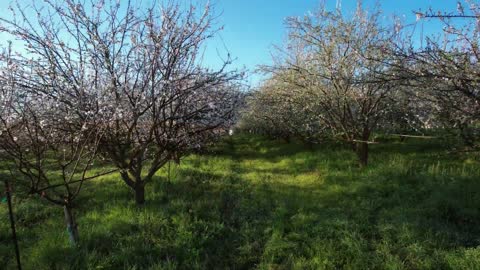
{"x": 72, "y": 227}
{"x": 140, "y": 192}
{"x": 362, "y": 153}
{"x": 138, "y": 186}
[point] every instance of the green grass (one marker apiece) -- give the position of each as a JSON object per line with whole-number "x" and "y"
{"x": 255, "y": 203}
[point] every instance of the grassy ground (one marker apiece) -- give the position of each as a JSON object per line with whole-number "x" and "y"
{"x": 254, "y": 203}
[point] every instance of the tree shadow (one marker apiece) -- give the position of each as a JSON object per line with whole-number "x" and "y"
{"x": 217, "y": 223}
{"x": 380, "y": 217}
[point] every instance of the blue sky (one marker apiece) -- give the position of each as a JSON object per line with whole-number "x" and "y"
{"x": 253, "y": 27}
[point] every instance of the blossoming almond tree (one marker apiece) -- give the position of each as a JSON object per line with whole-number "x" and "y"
{"x": 134, "y": 72}
{"x": 344, "y": 62}
{"x": 46, "y": 146}
{"x": 446, "y": 70}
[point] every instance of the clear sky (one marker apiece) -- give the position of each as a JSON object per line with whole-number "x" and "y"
{"x": 253, "y": 27}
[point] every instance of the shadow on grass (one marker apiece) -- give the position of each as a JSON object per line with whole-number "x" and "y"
{"x": 388, "y": 216}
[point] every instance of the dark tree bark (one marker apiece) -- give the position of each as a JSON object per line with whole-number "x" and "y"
{"x": 12, "y": 223}
{"x": 362, "y": 147}
{"x": 140, "y": 193}
{"x": 309, "y": 145}
{"x": 138, "y": 186}
{"x": 362, "y": 153}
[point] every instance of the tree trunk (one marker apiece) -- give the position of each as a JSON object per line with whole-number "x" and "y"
{"x": 467, "y": 136}
{"x": 362, "y": 152}
{"x": 309, "y": 145}
{"x": 12, "y": 223}
{"x": 138, "y": 186}
{"x": 72, "y": 227}
{"x": 140, "y": 192}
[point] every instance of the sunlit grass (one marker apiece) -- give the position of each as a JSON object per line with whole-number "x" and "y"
{"x": 256, "y": 203}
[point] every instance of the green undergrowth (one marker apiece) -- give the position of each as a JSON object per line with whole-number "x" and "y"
{"x": 256, "y": 203}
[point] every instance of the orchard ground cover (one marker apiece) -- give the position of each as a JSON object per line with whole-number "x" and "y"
{"x": 250, "y": 202}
